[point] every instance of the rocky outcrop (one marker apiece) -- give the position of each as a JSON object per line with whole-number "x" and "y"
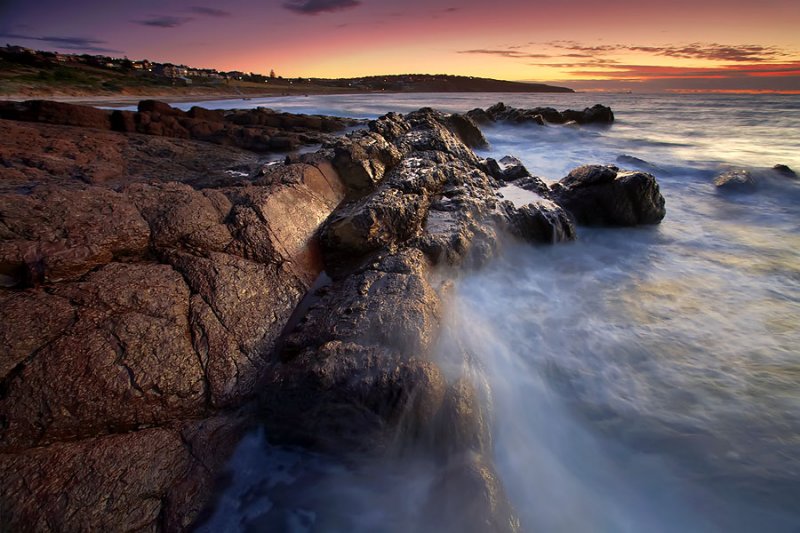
{"x": 606, "y": 195}
{"x": 169, "y": 315}
{"x": 597, "y": 115}
{"x": 258, "y": 130}
{"x": 133, "y": 319}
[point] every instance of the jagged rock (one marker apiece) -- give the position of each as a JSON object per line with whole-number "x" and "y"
{"x": 238, "y": 310}
{"x": 363, "y": 161}
{"x": 597, "y": 114}
{"x": 605, "y": 195}
{"x": 543, "y": 222}
{"x": 512, "y": 169}
{"x": 467, "y": 131}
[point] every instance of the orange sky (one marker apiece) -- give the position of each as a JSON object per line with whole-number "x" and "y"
{"x": 730, "y": 45}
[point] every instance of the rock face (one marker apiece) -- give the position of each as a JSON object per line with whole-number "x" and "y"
{"x": 597, "y": 114}
{"x": 129, "y": 314}
{"x": 258, "y": 130}
{"x": 605, "y": 195}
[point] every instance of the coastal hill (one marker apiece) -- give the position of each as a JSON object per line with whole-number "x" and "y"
{"x": 30, "y": 73}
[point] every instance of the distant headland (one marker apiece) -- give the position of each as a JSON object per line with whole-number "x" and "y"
{"x": 31, "y": 73}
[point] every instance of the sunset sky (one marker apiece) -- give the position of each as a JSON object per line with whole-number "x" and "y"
{"x": 611, "y": 45}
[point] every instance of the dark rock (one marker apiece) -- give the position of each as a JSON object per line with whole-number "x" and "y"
{"x": 467, "y": 131}
{"x": 604, "y": 195}
{"x": 543, "y": 222}
{"x": 784, "y": 170}
{"x": 181, "y": 217}
{"x": 162, "y": 108}
{"x": 597, "y": 114}
{"x": 257, "y": 130}
{"x": 513, "y": 169}
{"x": 469, "y": 497}
{"x": 362, "y": 161}
{"x": 57, "y": 113}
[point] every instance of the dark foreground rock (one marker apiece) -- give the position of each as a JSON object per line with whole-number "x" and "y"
{"x": 146, "y": 324}
{"x": 606, "y": 195}
{"x": 597, "y": 114}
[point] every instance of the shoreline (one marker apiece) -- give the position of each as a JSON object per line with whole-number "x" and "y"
{"x": 126, "y": 100}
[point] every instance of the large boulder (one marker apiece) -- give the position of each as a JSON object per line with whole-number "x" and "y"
{"x": 606, "y": 195}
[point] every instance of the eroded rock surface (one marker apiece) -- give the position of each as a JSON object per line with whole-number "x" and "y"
{"x": 136, "y": 312}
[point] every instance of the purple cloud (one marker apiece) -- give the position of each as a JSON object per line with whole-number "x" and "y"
{"x": 315, "y": 7}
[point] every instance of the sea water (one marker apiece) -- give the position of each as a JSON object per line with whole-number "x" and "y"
{"x": 643, "y": 379}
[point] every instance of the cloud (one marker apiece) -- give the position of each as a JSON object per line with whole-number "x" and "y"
{"x": 505, "y": 53}
{"x": 164, "y": 22}
{"x": 315, "y": 7}
{"x": 210, "y": 11}
{"x": 68, "y": 43}
{"x": 650, "y": 72}
{"x": 710, "y": 51}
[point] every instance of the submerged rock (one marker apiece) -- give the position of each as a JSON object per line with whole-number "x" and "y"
{"x": 606, "y": 195}
{"x": 784, "y": 170}
{"x": 741, "y": 180}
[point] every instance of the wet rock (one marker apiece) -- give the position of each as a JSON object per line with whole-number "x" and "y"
{"x": 785, "y": 171}
{"x": 605, "y": 195}
{"x": 543, "y": 222}
{"x": 638, "y": 163}
{"x": 597, "y": 114}
{"x": 467, "y": 131}
{"x": 469, "y": 497}
{"x": 739, "y": 180}
{"x": 258, "y": 130}
{"x": 512, "y": 169}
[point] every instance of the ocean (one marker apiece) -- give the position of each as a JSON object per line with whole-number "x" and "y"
{"x": 642, "y": 379}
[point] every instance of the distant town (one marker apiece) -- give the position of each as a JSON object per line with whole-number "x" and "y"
{"x": 24, "y": 71}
